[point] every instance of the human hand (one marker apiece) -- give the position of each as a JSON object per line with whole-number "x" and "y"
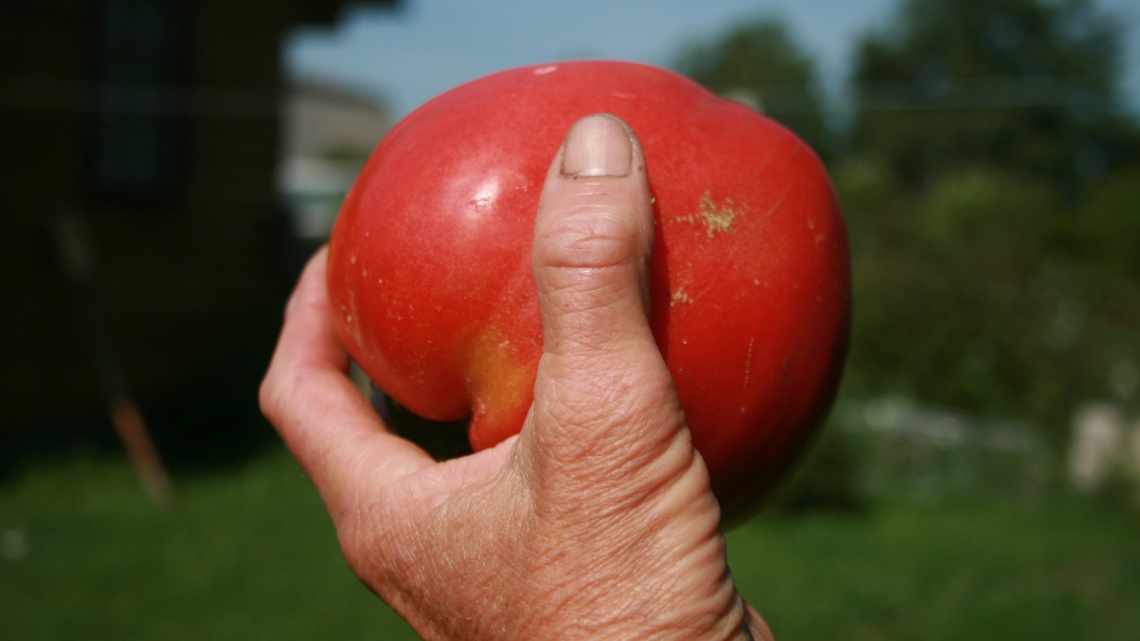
{"x": 597, "y": 521}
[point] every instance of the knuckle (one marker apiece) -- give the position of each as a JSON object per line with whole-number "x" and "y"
{"x": 280, "y": 393}
{"x": 588, "y": 262}
{"x": 269, "y": 399}
{"x": 588, "y": 236}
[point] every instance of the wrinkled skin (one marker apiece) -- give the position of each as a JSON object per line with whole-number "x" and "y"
{"x": 598, "y": 521}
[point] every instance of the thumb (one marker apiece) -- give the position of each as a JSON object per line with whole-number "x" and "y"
{"x": 603, "y": 396}
{"x": 592, "y": 240}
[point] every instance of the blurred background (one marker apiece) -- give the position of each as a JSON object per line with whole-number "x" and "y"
{"x": 172, "y": 163}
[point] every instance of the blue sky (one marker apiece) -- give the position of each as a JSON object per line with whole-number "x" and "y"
{"x": 411, "y": 54}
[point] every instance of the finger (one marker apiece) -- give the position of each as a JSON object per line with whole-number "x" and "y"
{"x": 322, "y": 417}
{"x": 600, "y": 367}
{"x": 592, "y": 239}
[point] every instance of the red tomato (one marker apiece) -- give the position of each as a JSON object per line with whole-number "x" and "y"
{"x": 430, "y": 273}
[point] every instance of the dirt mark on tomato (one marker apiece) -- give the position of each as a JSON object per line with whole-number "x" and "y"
{"x": 680, "y": 297}
{"x": 716, "y": 218}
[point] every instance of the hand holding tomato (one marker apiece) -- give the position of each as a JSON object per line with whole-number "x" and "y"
{"x": 748, "y": 286}
{"x": 598, "y": 520}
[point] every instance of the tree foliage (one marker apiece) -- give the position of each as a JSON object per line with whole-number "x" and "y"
{"x": 965, "y": 297}
{"x": 1026, "y": 85}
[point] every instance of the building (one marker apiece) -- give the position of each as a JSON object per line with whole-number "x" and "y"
{"x": 329, "y": 131}
{"x": 152, "y": 129}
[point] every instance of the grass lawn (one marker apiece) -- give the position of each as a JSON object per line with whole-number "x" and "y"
{"x": 247, "y": 553}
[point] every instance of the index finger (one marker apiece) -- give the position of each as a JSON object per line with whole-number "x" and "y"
{"x": 322, "y": 417}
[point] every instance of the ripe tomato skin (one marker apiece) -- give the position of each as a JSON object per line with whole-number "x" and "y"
{"x": 429, "y": 268}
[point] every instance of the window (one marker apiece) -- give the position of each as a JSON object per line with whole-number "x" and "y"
{"x": 137, "y": 130}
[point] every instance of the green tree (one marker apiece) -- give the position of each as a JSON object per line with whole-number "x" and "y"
{"x": 934, "y": 299}
{"x": 986, "y": 293}
{"x": 761, "y": 64}
{"x": 1032, "y": 85}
